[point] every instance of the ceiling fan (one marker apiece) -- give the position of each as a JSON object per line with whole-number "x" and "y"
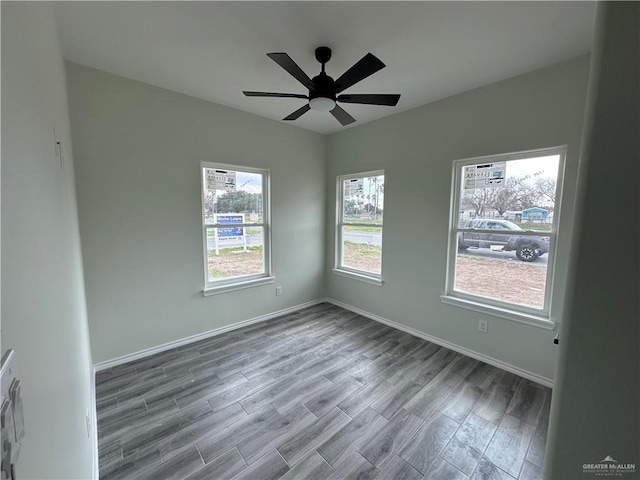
{"x": 324, "y": 90}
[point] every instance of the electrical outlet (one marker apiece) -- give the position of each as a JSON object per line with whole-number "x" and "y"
{"x": 483, "y": 326}
{"x": 88, "y": 420}
{"x": 278, "y": 291}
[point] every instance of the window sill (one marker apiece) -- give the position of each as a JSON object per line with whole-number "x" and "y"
{"x": 359, "y": 276}
{"x": 520, "y": 317}
{"x": 207, "y": 292}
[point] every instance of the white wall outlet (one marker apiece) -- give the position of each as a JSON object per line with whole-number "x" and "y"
{"x": 278, "y": 291}
{"x": 483, "y": 326}
{"x": 88, "y": 420}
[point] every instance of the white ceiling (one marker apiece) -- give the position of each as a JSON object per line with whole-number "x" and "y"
{"x": 214, "y": 50}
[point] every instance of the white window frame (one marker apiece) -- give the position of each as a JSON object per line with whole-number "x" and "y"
{"x": 240, "y": 281}
{"x": 519, "y": 313}
{"x": 340, "y": 269}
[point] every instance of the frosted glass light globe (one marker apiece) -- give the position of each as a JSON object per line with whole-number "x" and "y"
{"x": 322, "y": 104}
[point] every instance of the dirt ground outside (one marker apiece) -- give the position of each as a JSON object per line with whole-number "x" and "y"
{"x": 507, "y": 280}
{"x": 363, "y": 256}
{"x": 234, "y": 261}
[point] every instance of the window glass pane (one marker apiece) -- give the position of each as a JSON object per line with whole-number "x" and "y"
{"x": 234, "y": 251}
{"x": 362, "y": 248}
{"x": 504, "y": 267}
{"x": 519, "y": 191}
{"x": 363, "y": 200}
{"x": 229, "y": 191}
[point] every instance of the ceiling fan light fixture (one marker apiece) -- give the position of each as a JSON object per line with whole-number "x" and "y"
{"x": 322, "y": 104}
{"x": 324, "y": 90}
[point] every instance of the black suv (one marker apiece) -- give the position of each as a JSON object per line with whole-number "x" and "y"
{"x": 527, "y": 248}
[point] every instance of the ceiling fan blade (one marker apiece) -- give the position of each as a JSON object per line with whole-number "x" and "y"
{"x": 286, "y": 62}
{"x": 298, "y": 113}
{"x": 367, "y": 65}
{"x": 273, "y": 94}
{"x": 342, "y": 116}
{"x": 370, "y": 99}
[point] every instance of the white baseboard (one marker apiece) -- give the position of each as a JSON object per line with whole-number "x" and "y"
{"x": 218, "y": 331}
{"x": 451, "y": 346}
{"x": 200, "y": 336}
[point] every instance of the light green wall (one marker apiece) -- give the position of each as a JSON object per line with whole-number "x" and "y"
{"x": 44, "y": 314}
{"x": 595, "y": 409}
{"x": 139, "y": 150}
{"x": 416, "y": 149}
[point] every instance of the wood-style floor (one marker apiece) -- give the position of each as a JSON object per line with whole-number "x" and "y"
{"x": 319, "y": 393}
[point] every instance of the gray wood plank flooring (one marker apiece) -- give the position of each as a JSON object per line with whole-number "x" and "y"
{"x": 321, "y": 393}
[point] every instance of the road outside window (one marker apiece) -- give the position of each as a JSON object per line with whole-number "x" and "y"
{"x": 503, "y": 229}
{"x": 235, "y": 223}
{"x": 359, "y": 230}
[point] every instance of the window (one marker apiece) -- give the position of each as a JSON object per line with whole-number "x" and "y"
{"x": 359, "y": 229}
{"x": 235, "y": 218}
{"x": 503, "y": 234}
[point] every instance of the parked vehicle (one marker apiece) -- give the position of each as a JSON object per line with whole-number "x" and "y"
{"x": 527, "y": 247}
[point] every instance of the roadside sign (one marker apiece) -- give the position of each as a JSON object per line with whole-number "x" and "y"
{"x": 229, "y": 219}
{"x": 234, "y": 234}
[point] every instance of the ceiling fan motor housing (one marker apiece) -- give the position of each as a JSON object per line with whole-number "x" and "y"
{"x": 323, "y": 87}
{"x": 324, "y": 90}
{"x": 322, "y": 84}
